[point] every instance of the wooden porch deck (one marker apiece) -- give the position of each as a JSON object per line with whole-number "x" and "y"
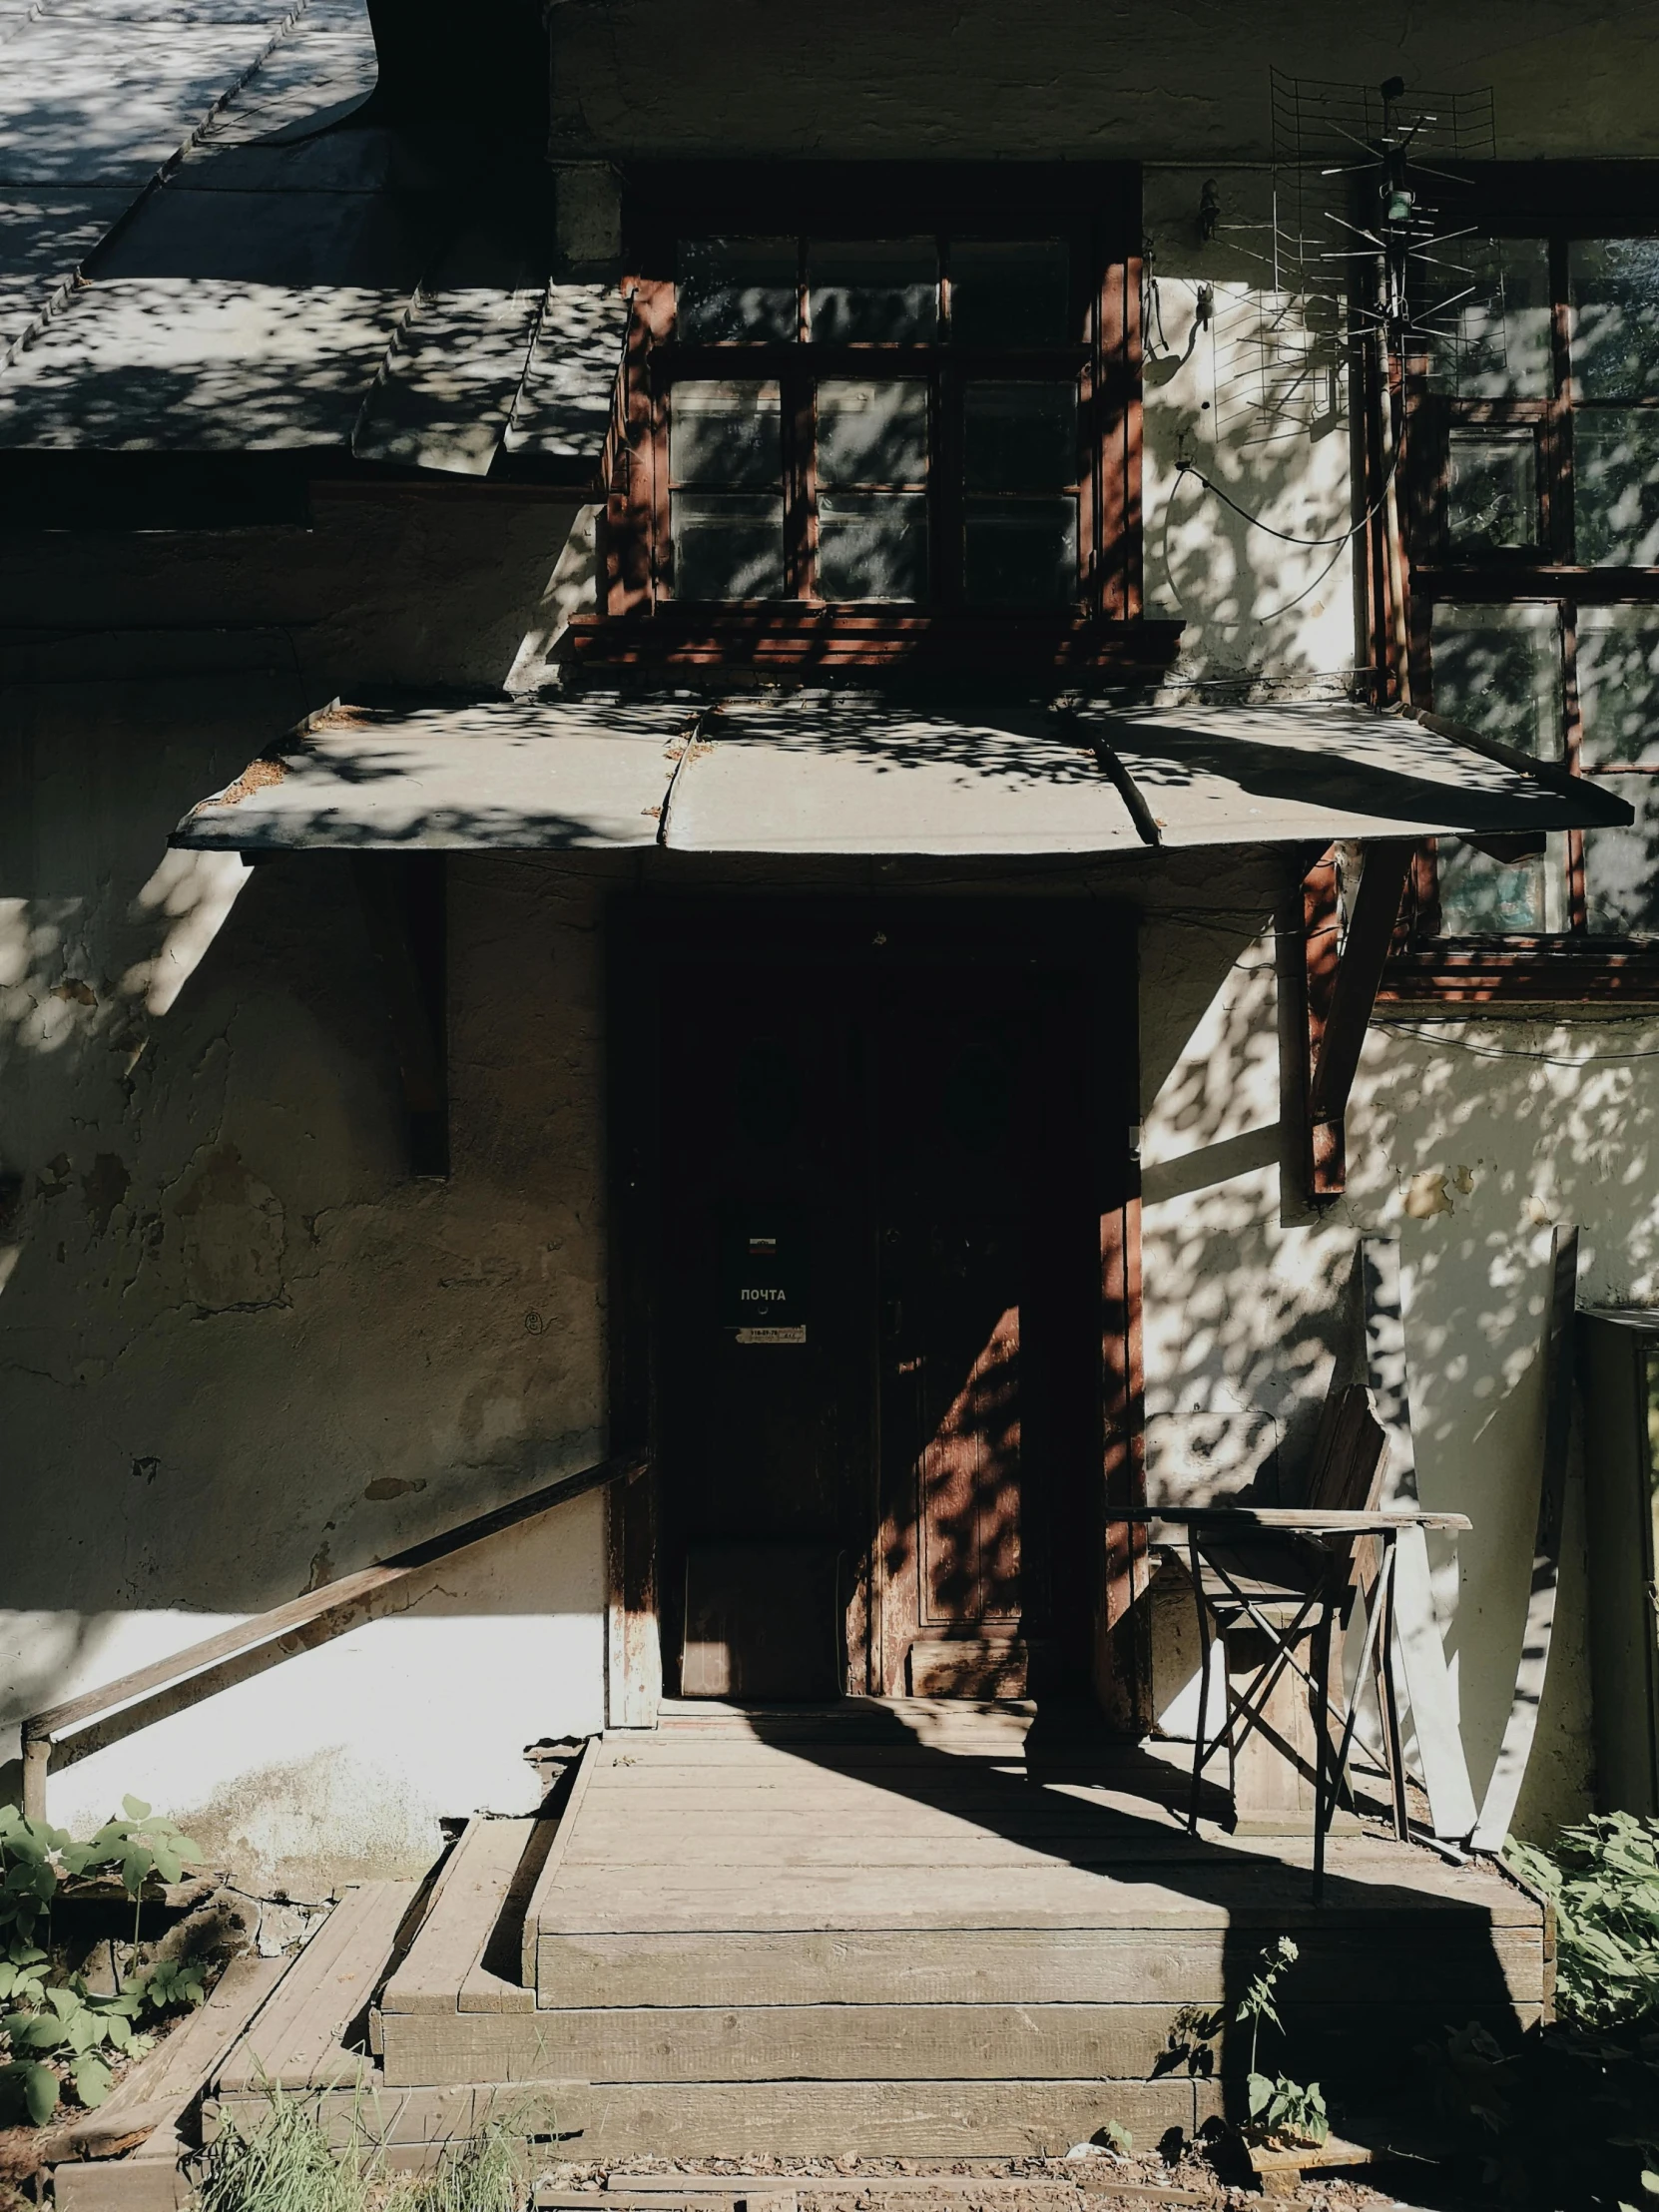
{"x": 912, "y": 1928}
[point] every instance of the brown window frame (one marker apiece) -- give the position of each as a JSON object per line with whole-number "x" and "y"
{"x": 1095, "y": 207}
{"x": 1570, "y": 202}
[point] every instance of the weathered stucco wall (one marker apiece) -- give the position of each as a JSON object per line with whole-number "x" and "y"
{"x": 1004, "y": 78}
{"x": 242, "y": 1350}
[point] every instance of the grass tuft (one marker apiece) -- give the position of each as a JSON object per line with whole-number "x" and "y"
{"x": 286, "y": 2164}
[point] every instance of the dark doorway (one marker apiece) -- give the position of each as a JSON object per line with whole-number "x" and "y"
{"x": 874, "y": 1181}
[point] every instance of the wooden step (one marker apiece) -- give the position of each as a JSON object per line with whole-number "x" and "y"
{"x": 663, "y": 2044}
{"x": 932, "y": 2119}
{"x": 1015, "y": 1966}
{"x": 368, "y": 2112}
{"x": 450, "y": 1966}
{"x": 300, "y": 2039}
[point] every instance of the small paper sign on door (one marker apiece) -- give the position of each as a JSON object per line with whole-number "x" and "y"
{"x": 764, "y": 1279}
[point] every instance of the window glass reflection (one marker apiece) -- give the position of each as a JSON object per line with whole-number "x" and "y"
{"x": 872, "y": 532}
{"x": 1618, "y": 685}
{"x": 1491, "y": 490}
{"x": 1495, "y": 323}
{"x": 726, "y": 501}
{"x": 871, "y": 433}
{"x": 1615, "y": 479}
{"x": 1621, "y": 867}
{"x": 732, "y": 290}
{"x": 1613, "y": 286}
{"x": 1497, "y": 670}
{"x": 880, "y": 292}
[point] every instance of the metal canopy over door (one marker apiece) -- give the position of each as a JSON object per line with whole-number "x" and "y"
{"x": 865, "y": 1272}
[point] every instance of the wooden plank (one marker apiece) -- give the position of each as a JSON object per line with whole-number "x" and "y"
{"x": 462, "y": 1914}
{"x": 1365, "y": 944}
{"x": 346, "y": 1595}
{"x": 1427, "y": 1686}
{"x": 157, "y": 2092}
{"x": 1035, "y": 1896}
{"x": 120, "y": 2184}
{"x": 878, "y": 2119}
{"x": 1497, "y": 1808}
{"x": 842, "y": 2041}
{"x": 1025, "y": 1966}
{"x": 784, "y": 2042}
{"x": 295, "y": 2041}
{"x": 551, "y": 1870}
{"x": 373, "y": 2113}
{"x": 805, "y": 2119}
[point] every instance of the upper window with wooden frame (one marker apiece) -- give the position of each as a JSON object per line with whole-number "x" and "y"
{"x": 865, "y": 396}
{"x": 1531, "y": 473}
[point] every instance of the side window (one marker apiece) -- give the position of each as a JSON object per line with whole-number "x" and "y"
{"x": 1533, "y": 443}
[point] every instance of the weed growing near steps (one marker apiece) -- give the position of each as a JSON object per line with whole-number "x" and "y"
{"x": 53, "y": 2029}
{"x": 1568, "y": 2119}
{"x": 1281, "y": 2111}
{"x": 1602, "y": 1878}
{"x": 286, "y": 2164}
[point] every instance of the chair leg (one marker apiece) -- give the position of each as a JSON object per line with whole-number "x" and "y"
{"x": 1199, "y": 1752}
{"x": 1324, "y": 1778}
{"x": 1387, "y": 1699}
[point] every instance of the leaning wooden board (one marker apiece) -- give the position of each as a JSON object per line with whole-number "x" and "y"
{"x": 155, "y": 2096}
{"x": 296, "y": 2042}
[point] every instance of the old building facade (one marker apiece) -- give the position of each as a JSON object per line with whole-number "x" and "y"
{"x": 778, "y": 457}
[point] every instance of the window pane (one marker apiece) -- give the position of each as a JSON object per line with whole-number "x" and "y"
{"x": 872, "y": 545}
{"x": 880, "y": 292}
{"x": 1494, "y": 340}
{"x": 871, "y": 433}
{"x": 726, "y": 434}
{"x": 727, "y": 545}
{"x": 1615, "y": 479}
{"x": 1613, "y": 285}
{"x": 1481, "y": 897}
{"x": 1621, "y": 867}
{"x": 1020, "y": 437}
{"x": 1491, "y": 489}
{"x": 1498, "y": 671}
{"x": 1011, "y": 293}
{"x": 733, "y": 289}
{"x": 1618, "y": 685}
{"x": 1020, "y": 552}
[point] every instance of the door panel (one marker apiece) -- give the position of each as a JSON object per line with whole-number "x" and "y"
{"x": 877, "y": 1210}
{"x": 766, "y": 1331}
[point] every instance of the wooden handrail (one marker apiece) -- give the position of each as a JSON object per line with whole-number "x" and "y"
{"x": 149, "y": 1694}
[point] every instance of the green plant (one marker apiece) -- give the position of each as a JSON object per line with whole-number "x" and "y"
{"x": 1602, "y": 1877}
{"x": 54, "y": 2028}
{"x": 1115, "y": 2136}
{"x": 1281, "y": 2111}
{"x": 1566, "y": 2121}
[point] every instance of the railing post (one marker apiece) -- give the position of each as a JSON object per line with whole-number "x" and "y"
{"x": 37, "y": 1757}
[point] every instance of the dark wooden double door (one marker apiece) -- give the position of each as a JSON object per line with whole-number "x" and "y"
{"x": 881, "y": 1161}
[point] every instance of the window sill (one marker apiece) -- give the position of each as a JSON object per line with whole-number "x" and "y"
{"x": 802, "y": 639}
{"x": 1508, "y": 972}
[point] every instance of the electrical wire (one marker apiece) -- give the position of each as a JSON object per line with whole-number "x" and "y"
{"x": 1511, "y": 1052}
{"x": 1286, "y": 537}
